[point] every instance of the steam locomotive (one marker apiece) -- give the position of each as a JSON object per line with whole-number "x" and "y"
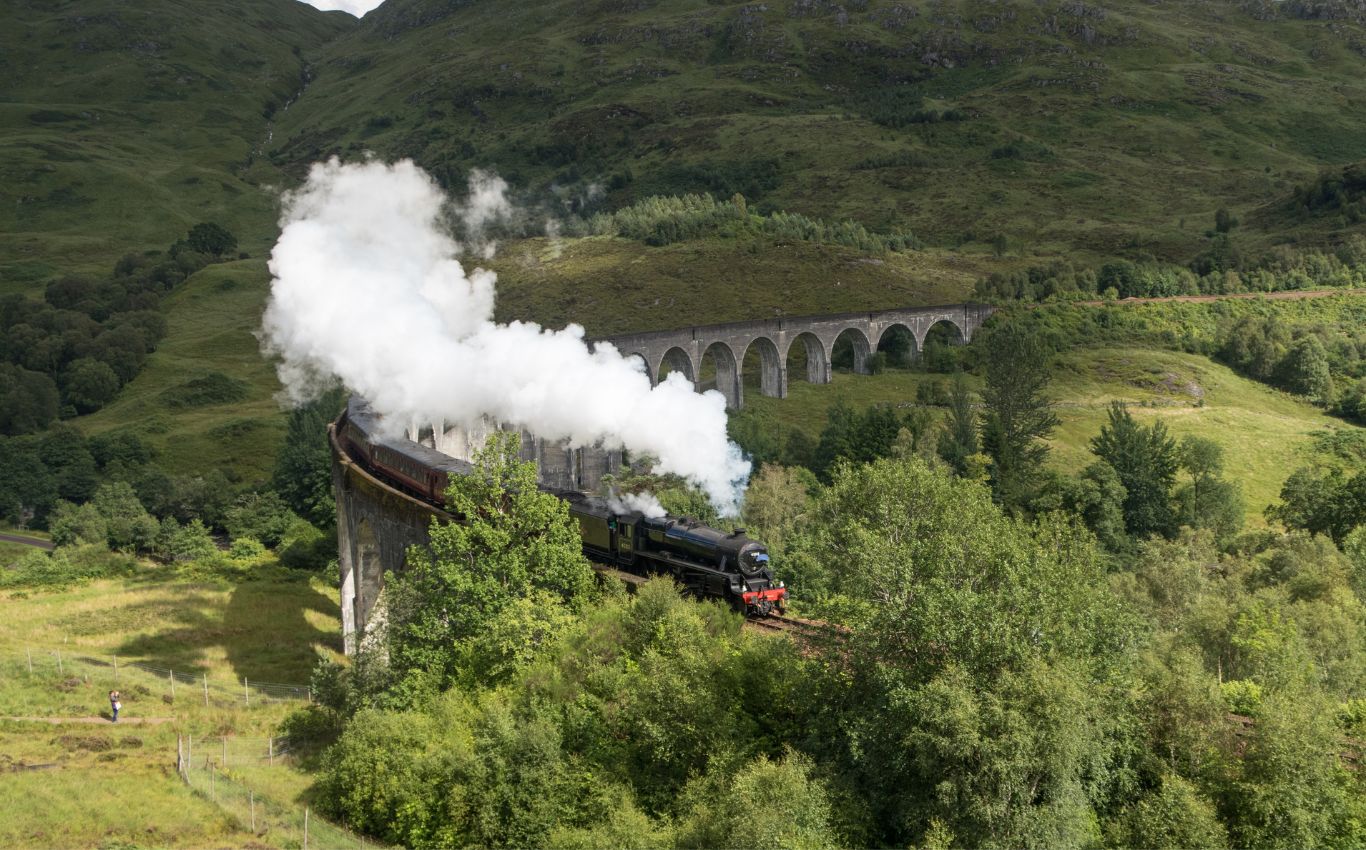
{"x": 706, "y": 561}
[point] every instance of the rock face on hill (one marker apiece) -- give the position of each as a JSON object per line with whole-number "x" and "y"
{"x": 1058, "y": 125}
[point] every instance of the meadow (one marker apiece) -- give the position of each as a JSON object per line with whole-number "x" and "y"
{"x": 73, "y": 779}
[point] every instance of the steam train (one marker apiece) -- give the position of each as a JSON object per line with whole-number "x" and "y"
{"x": 706, "y": 561}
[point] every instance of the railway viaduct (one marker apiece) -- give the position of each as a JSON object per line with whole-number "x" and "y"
{"x": 775, "y": 339}
{"x": 378, "y": 523}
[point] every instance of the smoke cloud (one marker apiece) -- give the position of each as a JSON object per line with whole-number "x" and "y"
{"x": 646, "y": 503}
{"x": 367, "y": 289}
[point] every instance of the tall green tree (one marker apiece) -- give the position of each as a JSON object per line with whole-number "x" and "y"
{"x": 491, "y": 586}
{"x": 963, "y": 708}
{"x": 1208, "y": 500}
{"x": 958, "y": 441}
{"x": 1304, "y": 370}
{"x": 1146, "y": 460}
{"x": 303, "y": 468}
{"x": 1019, "y": 415}
{"x": 1323, "y": 502}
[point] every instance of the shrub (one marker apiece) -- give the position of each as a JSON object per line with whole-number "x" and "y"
{"x": 213, "y": 388}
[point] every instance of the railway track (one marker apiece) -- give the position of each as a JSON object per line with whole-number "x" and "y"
{"x": 794, "y": 626}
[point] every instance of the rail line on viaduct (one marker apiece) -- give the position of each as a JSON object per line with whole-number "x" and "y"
{"x": 377, "y": 523}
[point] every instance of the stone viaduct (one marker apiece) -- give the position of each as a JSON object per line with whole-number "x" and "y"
{"x": 377, "y": 523}
{"x": 775, "y": 339}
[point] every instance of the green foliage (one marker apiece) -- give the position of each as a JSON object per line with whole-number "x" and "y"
{"x": 1305, "y": 370}
{"x": 261, "y": 516}
{"x": 1175, "y": 814}
{"x": 1096, "y": 497}
{"x": 1323, "y": 502}
{"x": 1146, "y": 460}
{"x": 1342, "y": 191}
{"x": 73, "y": 525}
{"x": 303, "y": 468}
{"x": 128, "y": 526}
{"x": 486, "y": 587}
{"x": 188, "y": 542}
{"x": 958, "y": 441}
{"x": 211, "y": 238}
{"x": 777, "y": 505}
{"x": 212, "y": 388}
{"x": 1018, "y": 416}
{"x": 76, "y": 564}
{"x": 28, "y": 400}
{"x": 767, "y": 804}
{"x": 1208, "y": 500}
{"x": 664, "y": 220}
{"x": 857, "y": 438}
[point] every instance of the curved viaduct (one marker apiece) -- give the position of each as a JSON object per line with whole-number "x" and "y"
{"x": 775, "y": 339}
{"x": 377, "y": 523}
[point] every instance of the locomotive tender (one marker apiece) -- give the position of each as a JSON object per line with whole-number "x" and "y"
{"x": 705, "y": 560}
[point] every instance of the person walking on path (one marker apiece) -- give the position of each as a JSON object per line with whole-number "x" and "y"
{"x": 114, "y": 705}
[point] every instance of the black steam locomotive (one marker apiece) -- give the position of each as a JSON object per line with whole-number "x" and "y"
{"x": 705, "y": 560}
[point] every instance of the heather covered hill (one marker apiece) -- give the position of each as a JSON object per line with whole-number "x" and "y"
{"x": 1067, "y": 127}
{"x": 123, "y": 124}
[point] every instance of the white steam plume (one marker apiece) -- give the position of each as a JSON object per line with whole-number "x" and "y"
{"x": 645, "y": 503}
{"x": 367, "y": 289}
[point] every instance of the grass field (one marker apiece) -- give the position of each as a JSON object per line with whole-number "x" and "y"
{"x": 211, "y": 318}
{"x": 94, "y": 784}
{"x": 1266, "y": 434}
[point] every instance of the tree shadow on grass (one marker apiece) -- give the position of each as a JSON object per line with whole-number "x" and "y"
{"x": 262, "y": 628}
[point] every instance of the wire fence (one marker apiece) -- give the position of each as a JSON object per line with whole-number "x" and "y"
{"x": 215, "y": 769}
{"x": 228, "y": 770}
{"x": 171, "y": 684}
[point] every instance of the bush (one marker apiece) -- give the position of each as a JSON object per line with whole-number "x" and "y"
{"x": 213, "y": 388}
{"x": 263, "y": 516}
{"x": 63, "y": 567}
{"x": 189, "y": 542}
{"x": 74, "y": 525}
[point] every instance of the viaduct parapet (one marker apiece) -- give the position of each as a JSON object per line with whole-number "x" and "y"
{"x": 775, "y": 339}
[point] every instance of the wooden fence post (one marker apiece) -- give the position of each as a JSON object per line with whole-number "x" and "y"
{"x": 225, "y": 750}
{"x": 305, "y": 828}
{"x": 246, "y": 694}
{"x": 272, "y": 751}
{"x": 251, "y": 800}
{"x": 59, "y": 663}
{"x": 116, "y": 669}
{"x": 29, "y": 653}
{"x": 206, "y": 689}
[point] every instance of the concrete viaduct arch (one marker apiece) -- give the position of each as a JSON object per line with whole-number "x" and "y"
{"x": 683, "y": 350}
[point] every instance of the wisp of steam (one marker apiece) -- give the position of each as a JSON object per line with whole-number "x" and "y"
{"x": 367, "y": 288}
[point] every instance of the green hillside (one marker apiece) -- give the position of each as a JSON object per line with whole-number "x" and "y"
{"x": 1076, "y": 128}
{"x": 123, "y": 124}
{"x": 1003, "y": 132}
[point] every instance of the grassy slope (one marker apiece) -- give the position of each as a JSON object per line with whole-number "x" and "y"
{"x": 618, "y": 286}
{"x": 122, "y": 125}
{"x": 212, "y": 318}
{"x": 1266, "y": 434}
{"x": 117, "y": 785}
{"x": 1178, "y": 109}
